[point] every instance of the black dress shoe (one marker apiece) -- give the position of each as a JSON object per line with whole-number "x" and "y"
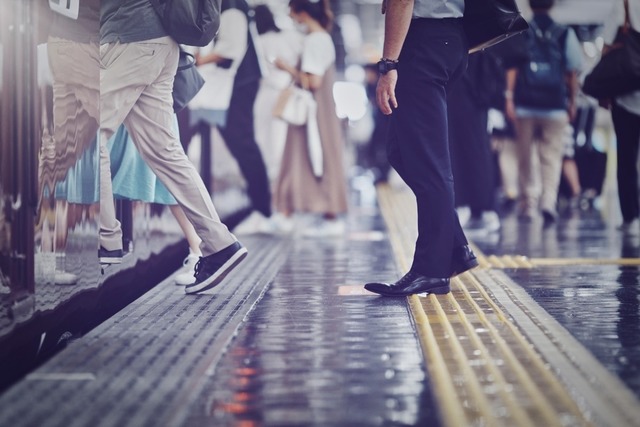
{"x": 463, "y": 259}
{"x": 411, "y": 283}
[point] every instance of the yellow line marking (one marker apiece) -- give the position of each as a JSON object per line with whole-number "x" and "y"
{"x": 484, "y": 370}
{"x": 539, "y": 365}
{"x": 450, "y": 405}
{"x": 539, "y": 262}
{"x": 516, "y": 410}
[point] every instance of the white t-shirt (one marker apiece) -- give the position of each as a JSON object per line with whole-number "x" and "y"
{"x": 318, "y": 53}
{"x": 285, "y": 45}
{"x": 231, "y": 42}
{"x": 631, "y": 101}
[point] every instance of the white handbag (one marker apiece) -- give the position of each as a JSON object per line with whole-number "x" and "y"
{"x": 293, "y": 105}
{"x": 298, "y": 107}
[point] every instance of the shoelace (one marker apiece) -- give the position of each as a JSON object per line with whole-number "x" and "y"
{"x": 198, "y": 267}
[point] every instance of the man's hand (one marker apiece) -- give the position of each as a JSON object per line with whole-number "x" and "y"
{"x": 386, "y": 92}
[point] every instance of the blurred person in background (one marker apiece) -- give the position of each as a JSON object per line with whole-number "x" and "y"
{"x": 625, "y": 112}
{"x": 232, "y": 71}
{"x": 375, "y": 152}
{"x": 472, "y": 158}
{"x": 285, "y": 44}
{"x": 509, "y": 54}
{"x": 298, "y": 190}
{"x": 540, "y": 101}
{"x": 570, "y": 188}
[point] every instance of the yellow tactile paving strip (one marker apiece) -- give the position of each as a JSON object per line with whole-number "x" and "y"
{"x": 519, "y": 261}
{"x": 484, "y": 369}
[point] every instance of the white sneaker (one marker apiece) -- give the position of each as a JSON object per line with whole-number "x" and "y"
{"x": 280, "y": 224}
{"x": 65, "y": 278}
{"x": 483, "y": 226}
{"x": 491, "y": 221}
{"x": 631, "y": 228}
{"x": 326, "y": 228}
{"x": 188, "y": 270}
{"x": 255, "y": 223}
{"x": 61, "y": 276}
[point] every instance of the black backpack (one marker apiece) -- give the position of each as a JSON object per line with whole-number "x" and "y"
{"x": 541, "y": 81}
{"x": 189, "y": 22}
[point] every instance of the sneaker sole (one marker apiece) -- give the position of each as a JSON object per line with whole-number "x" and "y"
{"x": 108, "y": 260}
{"x": 65, "y": 279}
{"x": 184, "y": 282}
{"x": 219, "y": 275}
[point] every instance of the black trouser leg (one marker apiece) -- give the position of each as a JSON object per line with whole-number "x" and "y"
{"x": 627, "y": 128}
{"x": 433, "y": 54}
{"x": 239, "y": 136}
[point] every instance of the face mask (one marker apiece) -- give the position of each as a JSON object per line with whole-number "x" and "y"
{"x": 303, "y": 28}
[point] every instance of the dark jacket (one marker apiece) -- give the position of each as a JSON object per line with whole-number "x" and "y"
{"x": 249, "y": 68}
{"x": 129, "y": 21}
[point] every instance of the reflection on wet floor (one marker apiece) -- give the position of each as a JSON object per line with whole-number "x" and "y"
{"x": 292, "y": 339}
{"x": 586, "y": 275}
{"x": 313, "y": 353}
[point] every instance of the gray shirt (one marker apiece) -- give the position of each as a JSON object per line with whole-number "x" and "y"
{"x": 129, "y": 21}
{"x": 438, "y": 9}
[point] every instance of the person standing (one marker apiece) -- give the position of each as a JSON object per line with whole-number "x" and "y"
{"x": 286, "y": 44}
{"x": 424, "y": 51}
{"x": 298, "y": 189}
{"x": 472, "y": 158}
{"x": 232, "y": 70}
{"x": 541, "y": 100}
{"x": 138, "y": 62}
{"x": 625, "y": 112}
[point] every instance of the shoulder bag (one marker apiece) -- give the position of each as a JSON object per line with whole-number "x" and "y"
{"x": 298, "y": 107}
{"x": 618, "y": 71}
{"x": 187, "y": 81}
{"x": 488, "y": 22}
{"x": 294, "y": 105}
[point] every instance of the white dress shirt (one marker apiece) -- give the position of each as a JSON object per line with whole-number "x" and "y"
{"x": 438, "y": 8}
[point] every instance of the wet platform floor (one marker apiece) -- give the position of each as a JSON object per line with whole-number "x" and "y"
{"x": 545, "y": 332}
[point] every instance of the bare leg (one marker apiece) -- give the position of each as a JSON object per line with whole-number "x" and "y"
{"x": 570, "y": 171}
{"x": 187, "y": 229}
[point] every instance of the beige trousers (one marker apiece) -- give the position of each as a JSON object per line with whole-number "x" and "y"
{"x": 546, "y": 136}
{"x": 136, "y": 80}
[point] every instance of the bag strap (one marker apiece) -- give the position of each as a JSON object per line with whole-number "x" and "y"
{"x": 554, "y": 32}
{"x": 627, "y": 21}
{"x": 191, "y": 60}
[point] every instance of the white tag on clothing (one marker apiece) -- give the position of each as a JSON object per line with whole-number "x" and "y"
{"x": 68, "y": 8}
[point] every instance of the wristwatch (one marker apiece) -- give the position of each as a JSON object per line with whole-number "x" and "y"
{"x": 385, "y": 65}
